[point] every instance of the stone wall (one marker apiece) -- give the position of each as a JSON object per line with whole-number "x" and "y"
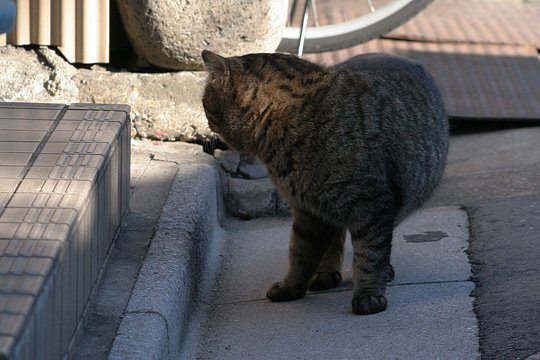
{"x": 165, "y": 106}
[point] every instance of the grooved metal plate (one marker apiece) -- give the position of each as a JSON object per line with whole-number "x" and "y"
{"x": 481, "y": 81}
{"x": 482, "y": 53}
{"x": 475, "y": 21}
{"x": 64, "y": 188}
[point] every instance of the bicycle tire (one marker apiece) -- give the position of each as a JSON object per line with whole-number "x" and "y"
{"x": 353, "y": 32}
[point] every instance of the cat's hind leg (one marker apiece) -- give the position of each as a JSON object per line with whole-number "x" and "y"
{"x": 371, "y": 264}
{"x": 310, "y": 238}
{"x": 328, "y": 274}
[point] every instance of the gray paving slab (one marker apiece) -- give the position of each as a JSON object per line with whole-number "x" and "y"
{"x": 430, "y": 313}
{"x": 419, "y": 257}
{"x": 426, "y": 321}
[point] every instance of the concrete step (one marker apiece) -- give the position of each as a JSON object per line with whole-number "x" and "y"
{"x": 64, "y": 189}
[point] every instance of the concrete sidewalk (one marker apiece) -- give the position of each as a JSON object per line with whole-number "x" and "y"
{"x": 430, "y": 315}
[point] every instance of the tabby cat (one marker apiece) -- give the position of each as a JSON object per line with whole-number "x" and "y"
{"x": 356, "y": 147}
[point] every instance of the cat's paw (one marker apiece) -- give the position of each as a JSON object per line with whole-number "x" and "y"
{"x": 282, "y": 292}
{"x": 390, "y": 274}
{"x": 365, "y": 304}
{"x": 324, "y": 281}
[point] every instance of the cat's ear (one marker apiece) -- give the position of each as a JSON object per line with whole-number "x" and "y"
{"x": 223, "y": 71}
{"x": 215, "y": 64}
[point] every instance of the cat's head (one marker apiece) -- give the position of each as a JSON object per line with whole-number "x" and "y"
{"x": 242, "y": 92}
{"x": 222, "y": 104}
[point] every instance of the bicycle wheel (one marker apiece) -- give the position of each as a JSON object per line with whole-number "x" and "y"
{"x": 338, "y": 33}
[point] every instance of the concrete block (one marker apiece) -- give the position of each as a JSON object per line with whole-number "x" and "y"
{"x": 251, "y": 198}
{"x": 49, "y": 246}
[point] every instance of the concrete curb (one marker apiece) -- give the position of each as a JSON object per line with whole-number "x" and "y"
{"x": 177, "y": 272}
{"x": 534, "y": 357}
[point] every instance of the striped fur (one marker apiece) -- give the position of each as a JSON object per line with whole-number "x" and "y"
{"x": 353, "y": 147}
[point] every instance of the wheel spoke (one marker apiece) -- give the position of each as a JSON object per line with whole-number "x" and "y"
{"x": 377, "y": 19}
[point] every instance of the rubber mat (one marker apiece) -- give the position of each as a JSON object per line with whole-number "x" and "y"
{"x": 481, "y": 81}
{"x": 475, "y": 21}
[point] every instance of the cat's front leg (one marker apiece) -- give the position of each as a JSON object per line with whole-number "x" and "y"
{"x": 371, "y": 265}
{"x": 310, "y": 238}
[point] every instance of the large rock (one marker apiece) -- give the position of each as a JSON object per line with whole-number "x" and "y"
{"x": 172, "y": 33}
